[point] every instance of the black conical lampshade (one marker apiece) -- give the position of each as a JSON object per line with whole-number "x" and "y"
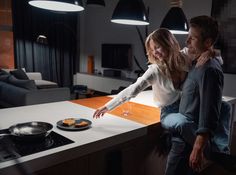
{"x": 175, "y": 21}
{"x": 131, "y": 12}
{"x": 96, "y": 2}
{"x": 58, "y": 5}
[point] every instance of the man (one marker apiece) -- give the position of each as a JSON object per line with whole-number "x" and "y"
{"x": 196, "y": 123}
{"x": 203, "y": 107}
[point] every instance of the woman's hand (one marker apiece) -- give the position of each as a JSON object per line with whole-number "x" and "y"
{"x": 100, "y": 112}
{"x": 205, "y": 56}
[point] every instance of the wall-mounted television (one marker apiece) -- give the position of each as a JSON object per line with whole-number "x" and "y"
{"x": 117, "y": 56}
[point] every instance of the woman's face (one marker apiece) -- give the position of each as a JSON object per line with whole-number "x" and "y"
{"x": 157, "y": 51}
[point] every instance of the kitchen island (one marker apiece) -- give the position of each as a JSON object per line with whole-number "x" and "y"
{"x": 113, "y": 145}
{"x": 101, "y": 141}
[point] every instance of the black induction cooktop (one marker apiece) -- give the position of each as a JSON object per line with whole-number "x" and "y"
{"x": 11, "y": 148}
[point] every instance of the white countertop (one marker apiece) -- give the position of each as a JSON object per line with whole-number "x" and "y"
{"x": 105, "y": 132}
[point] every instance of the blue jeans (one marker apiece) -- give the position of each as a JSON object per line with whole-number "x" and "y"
{"x": 178, "y": 123}
{"x": 220, "y": 141}
{"x": 172, "y": 108}
{"x": 178, "y": 158}
{"x": 184, "y": 128}
{"x": 183, "y": 131}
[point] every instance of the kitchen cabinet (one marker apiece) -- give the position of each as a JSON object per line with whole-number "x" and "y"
{"x": 138, "y": 156}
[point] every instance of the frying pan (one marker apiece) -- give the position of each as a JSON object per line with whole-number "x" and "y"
{"x": 30, "y": 130}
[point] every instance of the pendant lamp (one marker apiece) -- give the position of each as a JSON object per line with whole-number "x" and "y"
{"x": 96, "y": 2}
{"x": 58, "y": 5}
{"x": 130, "y": 12}
{"x": 175, "y": 20}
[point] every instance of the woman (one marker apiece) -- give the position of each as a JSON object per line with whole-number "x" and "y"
{"x": 166, "y": 73}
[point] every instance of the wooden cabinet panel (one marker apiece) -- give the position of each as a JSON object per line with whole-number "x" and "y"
{"x": 76, "y": 166}
{"x": 139, "y": 157}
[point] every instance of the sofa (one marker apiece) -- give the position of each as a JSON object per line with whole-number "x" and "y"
{"x": 29, "y": 89}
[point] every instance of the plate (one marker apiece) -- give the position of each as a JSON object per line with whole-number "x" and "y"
{"x": 60, "y": 125}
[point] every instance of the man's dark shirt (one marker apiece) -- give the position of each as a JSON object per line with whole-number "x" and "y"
{"x": 202, "y": 94}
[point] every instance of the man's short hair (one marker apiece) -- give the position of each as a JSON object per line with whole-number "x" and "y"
{"x": 208, "y": 26}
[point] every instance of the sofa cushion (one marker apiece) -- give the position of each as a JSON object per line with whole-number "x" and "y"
{"x": 8, "y": 70}
{"x": 3, "y": 72}
{"x": 26, "y": 84}
{"x": 11, "y": 95}
{"x": 4, "y": 78}
{"x": 4, "y": 75}
{"x": 19, "y": 74}
{"x": 44, "y": 84}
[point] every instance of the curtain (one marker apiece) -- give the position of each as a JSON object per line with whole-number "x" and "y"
{"x": 55, "y": 59}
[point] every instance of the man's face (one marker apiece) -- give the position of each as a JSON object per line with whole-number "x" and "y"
{"x": 194, "y": 42}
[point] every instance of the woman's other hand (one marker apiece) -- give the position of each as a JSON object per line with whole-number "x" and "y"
{"x": 100, "y": 112}
{"x": 205, "y": 56}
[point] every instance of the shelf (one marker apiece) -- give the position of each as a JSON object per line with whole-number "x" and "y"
{"x": 101, "y": 83}
{"x": 118, "y": 78}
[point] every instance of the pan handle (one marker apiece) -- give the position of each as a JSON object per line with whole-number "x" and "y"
{"x": 6, "y": 134}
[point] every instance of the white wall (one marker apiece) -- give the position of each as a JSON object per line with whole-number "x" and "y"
{"x": 96, "y": 29}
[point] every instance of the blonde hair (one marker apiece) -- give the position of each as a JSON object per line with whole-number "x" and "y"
{"x": 175, "y": 62}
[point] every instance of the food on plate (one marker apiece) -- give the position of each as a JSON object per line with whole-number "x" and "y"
{"x": 74, "y": 123}
{"x": 69, "y": 121}
{"x": 82, "y": 123}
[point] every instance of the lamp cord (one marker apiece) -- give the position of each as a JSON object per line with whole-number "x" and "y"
{"x": 137, "y": 63}
{"x": 142, "y": 42}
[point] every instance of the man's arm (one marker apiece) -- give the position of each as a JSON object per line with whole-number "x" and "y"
{"x": 210, "y": 89}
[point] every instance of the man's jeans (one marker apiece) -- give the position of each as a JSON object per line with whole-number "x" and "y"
{"x": 183, "y": 136}
{"x": 178, "y": 123}
{"x": 185, "y": 129}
